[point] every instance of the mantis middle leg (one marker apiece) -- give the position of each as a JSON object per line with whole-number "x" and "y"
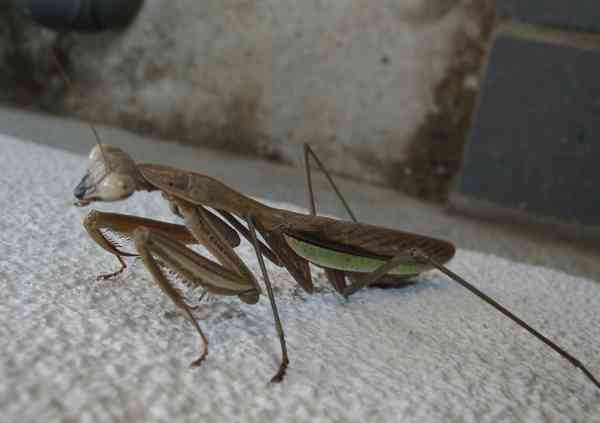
{"x": 206, "y": 234}
{"x": 284, "y": 357}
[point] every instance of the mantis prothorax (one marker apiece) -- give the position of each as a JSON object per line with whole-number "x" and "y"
{"x": 353, "y": 255}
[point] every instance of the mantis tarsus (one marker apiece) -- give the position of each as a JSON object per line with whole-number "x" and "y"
{"x": 352, "y": 254}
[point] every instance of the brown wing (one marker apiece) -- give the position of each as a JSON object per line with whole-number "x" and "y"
{"x": 362, "y": 239}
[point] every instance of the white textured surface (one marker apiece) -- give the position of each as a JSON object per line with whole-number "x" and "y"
{"x": 73, "y": 349}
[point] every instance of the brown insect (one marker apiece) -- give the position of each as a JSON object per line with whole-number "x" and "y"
{"x": 353, "y": 255}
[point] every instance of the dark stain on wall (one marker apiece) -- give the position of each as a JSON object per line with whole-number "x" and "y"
{"x": 239, "y": 132}
{"x": 434, "y": 156}
{"x": 242, "y": 131}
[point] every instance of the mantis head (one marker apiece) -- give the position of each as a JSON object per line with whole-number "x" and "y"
{"x": 111, "y": 176}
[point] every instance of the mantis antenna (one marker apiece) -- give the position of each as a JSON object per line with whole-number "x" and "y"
{"x": 67, "y": 80}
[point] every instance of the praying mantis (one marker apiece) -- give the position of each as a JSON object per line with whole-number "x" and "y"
{"x": 353, "y": 255}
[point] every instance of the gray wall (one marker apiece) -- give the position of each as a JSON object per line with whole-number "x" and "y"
{"x": 361, "y": 80}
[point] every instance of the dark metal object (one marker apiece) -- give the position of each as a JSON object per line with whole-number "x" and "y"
{"x": 81, "y": 15}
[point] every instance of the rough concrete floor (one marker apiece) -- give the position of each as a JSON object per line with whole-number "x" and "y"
{"x": 281, "y": 183}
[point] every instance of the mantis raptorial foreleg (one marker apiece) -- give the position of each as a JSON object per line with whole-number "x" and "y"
{"x": 108, "y": 230}
{"x": 103, "y": 228}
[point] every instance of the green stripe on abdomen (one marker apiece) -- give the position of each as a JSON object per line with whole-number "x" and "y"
{"x": 326, "y": 257}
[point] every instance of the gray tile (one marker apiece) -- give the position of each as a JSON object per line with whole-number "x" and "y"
{"x": 581, "y": 15}
{"x": 534, "y": 144}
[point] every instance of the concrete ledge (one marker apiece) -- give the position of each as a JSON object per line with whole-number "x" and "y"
{"x": 476, "y": 207}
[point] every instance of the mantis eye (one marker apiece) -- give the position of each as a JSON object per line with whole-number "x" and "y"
{"x": 116, "y": 186}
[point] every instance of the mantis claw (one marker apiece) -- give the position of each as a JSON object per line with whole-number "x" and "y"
{"x": 281, "y": 372}
{"x": 198, "y": 362}
{"x": 277, "y": 378}
{"x": 106, "y": 276}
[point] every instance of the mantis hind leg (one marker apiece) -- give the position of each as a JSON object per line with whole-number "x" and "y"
{"x": 423, "y": 257}
{"x": 337, "y": 278}
{"x": 377, "y": 275}
{"x": 419, "y": 256}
